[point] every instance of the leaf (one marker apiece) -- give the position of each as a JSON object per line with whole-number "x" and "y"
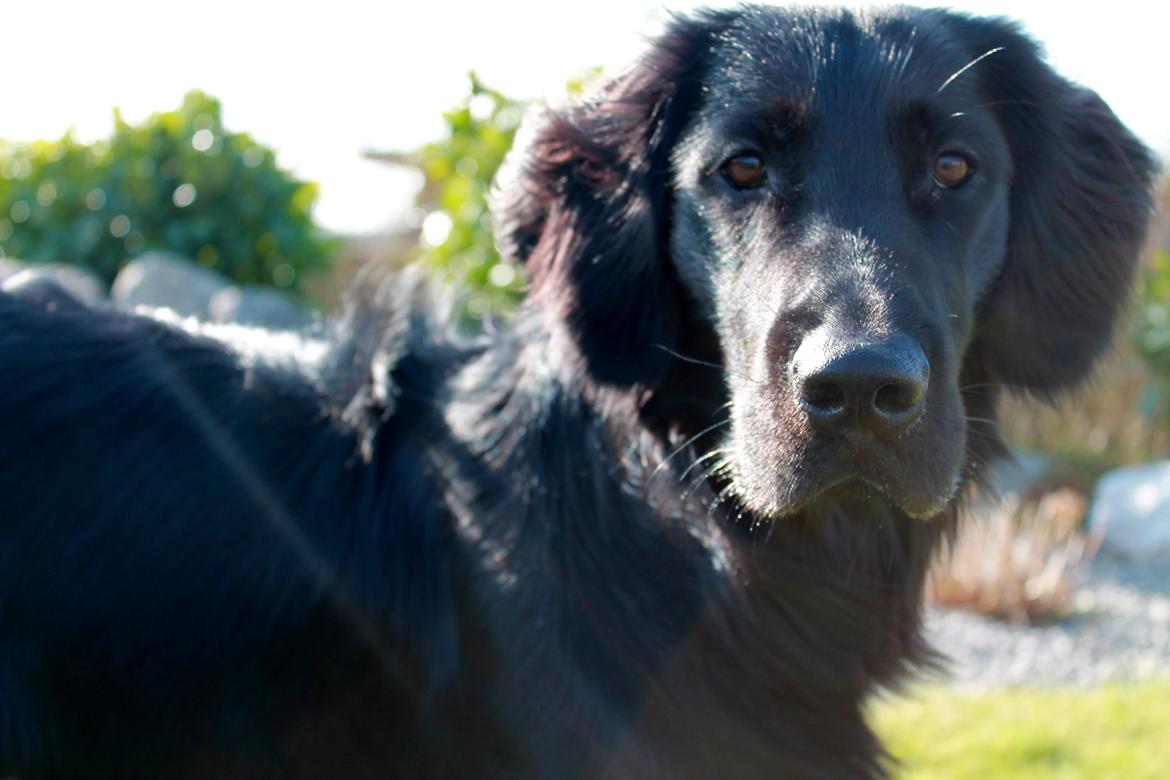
{"x": 241, "y": 196}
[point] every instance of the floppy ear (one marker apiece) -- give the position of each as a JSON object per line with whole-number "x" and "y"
{"x": 1080, "y": 205}
{"x": 584, "y": 202}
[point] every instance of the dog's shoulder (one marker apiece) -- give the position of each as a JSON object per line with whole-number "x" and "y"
{"x": 352, "y": 368}
{"x": 233, "y": 449}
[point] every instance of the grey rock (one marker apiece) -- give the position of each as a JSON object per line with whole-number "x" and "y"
{"x": 1120, "y": 630}
{"x": 1120, "y": 625}
{"x": 10, "y": 268}
{"x": 82, "y": 284}
{"x": 258, "y": 306}
{"x": 169, "y": 281}
{"x": 1131, "y": 512}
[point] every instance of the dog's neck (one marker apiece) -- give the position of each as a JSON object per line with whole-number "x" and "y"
{"x": 620, "y": 579}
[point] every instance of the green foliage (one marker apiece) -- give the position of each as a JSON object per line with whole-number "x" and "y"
{"x": 1152, "y": 331}
{"x": 458, "y": 171}
{"x": 177, "y": 181}
{"x": 1115, "y": 731}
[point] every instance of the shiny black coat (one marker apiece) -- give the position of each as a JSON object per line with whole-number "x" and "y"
{"x": 605, "y": 542}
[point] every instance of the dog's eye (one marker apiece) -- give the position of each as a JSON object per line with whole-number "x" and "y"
{"x": 746, "y": 171}
{"x": 952, "y": 170}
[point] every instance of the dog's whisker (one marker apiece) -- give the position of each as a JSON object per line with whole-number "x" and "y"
{"x": 403, "y": 508}
{"x": 719, "y": 499}
{"x": 982, "y": 420}
{"x": 966, "y": 68}
{"x": 719, "y": 467}
{"x": 686, "y": 444}
{"x": 708, "y": 364}
{"x": 985, "y": 436}
{"x": 980, "y": 386}
{"x": 698, "y": 461}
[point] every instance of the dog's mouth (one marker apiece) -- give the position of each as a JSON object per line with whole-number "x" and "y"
{"x": 856, "y": 489}
{"x": 916, "y": 504}
{"x": 786, "y": 458}
{"x": 921, "y": 484}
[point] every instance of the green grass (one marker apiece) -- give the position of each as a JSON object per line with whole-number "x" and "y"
{"x": 1115, "y": 731}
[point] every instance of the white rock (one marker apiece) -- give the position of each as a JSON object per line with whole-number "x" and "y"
{"x": 167, "y": 281}
{"x": 1131, "y": 512}
{"x": 79, "y": 282}
{"x": 258, "y": 306}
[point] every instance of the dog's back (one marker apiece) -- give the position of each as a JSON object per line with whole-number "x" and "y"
{"x": 674, "y": 521}
{"x": 177, "y": 509}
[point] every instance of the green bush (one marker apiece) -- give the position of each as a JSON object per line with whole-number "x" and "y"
{"x": 1151, "y": 332}
{"x": 177, "y": 181}
{"x": 458, "y": 172}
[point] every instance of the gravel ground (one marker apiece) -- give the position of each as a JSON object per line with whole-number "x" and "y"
{"x": 1120, "y": 630}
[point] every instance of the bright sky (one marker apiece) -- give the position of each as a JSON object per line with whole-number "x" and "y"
{"x": 321, "y": 82}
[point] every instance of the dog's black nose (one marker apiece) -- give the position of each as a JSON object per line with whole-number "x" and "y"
{"x": 875, "y": 387}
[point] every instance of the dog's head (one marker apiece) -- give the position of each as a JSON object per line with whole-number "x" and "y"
{"x": 872, "y": 214}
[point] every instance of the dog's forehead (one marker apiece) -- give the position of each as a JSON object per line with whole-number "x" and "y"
{"x": 828, "y": 60}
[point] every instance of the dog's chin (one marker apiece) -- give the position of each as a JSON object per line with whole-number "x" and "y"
{"x": 917, "y": 476}
{"x": 919, "y": 505}
{"x": 853, "y": 490}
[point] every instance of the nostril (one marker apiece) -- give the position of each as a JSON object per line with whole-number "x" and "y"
{"x": 898, "y": 398}
{"x": 873, "y": 387}
{"x": 823, "y": 396}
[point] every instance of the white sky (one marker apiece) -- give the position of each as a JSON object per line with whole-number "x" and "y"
{"x": 323, "y": 81}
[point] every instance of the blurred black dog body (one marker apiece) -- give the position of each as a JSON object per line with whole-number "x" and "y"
{"x": 674, "y": 521}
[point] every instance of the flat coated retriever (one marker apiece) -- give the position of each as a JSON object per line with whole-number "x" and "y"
{"x": 673, "y": 521}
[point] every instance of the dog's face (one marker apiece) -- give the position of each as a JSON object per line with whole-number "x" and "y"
{"x": 871, "y": 214}
{"x": 840, "y": 206}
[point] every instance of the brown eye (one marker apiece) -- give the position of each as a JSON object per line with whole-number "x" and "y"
{"x": 952, "y": 170}
{"x": 746, "y": 171}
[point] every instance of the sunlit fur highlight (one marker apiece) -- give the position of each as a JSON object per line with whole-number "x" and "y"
{"x": 536, "y": 554}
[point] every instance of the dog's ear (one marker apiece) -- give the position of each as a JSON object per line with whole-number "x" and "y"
{"x": 583, "y": 200}
{"x": 1081, "y": 201}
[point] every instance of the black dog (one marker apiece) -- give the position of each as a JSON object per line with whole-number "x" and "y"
{"x": 673, "y": 522}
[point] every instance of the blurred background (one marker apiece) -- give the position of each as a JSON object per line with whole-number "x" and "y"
{"x": 239, "y": 163}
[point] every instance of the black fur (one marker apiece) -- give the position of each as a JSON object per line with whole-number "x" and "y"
{"x": 609, "y": 541}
